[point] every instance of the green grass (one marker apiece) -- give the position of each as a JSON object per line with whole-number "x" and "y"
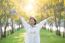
{"x": 46, "y": 37}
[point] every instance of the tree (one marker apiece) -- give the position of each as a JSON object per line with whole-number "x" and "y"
{"x": 57, "y": 8}
{"x": 64, "y": 23}
{"x": 5, "y": 13}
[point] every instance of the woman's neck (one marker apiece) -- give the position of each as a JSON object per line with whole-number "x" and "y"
{"x": 32, "y": 25}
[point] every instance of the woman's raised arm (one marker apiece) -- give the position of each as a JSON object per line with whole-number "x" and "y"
{"x": 25, "y": 24}
{"x": 41, "y": 24}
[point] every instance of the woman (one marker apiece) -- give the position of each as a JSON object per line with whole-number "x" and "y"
{"x": 32, "y": 30}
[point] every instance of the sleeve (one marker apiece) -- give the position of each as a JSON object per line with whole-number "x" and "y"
{"x": 41, "y": 24}
{"x": 25, "y": 24}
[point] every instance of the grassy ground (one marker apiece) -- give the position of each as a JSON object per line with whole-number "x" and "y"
{"x": 46, "y": 37}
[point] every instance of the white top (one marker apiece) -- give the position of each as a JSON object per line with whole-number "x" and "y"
{"x": 32, "y": 33}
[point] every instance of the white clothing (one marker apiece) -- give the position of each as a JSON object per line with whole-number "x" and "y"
{"x": 32, "y": 33}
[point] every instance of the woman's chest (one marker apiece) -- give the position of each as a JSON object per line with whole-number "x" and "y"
{"x": 33, "y": 31}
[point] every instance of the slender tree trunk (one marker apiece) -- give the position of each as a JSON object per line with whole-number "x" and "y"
{"x": 51, "y": 25}
{"x": 1, "y": 33}
{"x": 5, "y": 30}
{"x": 59, "y": 22}
{"x": 12, "y": 27}
{"x": 56, "y": 24}
{"x": 19, "y": 25}
{"x": 64, "y": 29}
{"x": 58, "y": 30}
{"x": 64, "y": 24}
{"x": 6, "y": 24}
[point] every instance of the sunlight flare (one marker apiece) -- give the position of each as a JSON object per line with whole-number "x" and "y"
{"x": 29, "y": 8}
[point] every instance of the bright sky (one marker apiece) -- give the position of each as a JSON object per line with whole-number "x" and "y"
{"x": 29, "y": 6}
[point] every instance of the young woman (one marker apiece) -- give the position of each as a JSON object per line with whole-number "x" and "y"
{"x": 32, "y": 30}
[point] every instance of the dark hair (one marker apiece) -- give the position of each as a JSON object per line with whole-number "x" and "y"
{"x": 34, "y": 20}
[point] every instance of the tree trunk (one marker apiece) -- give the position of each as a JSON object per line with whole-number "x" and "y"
{"x": 59, "y": 22}
{"x": 56, "y": 24}
{"x": 5, "y": 28}
{"x": 19, "y": 25}
{"x": 1, "y": 33}
{"x": 64, "y": 29}
{"x": 51, "y": 25}
{"x": 58, "y": 30}
{"x": 6, "y": 24}
{"x": 12, "y": 27}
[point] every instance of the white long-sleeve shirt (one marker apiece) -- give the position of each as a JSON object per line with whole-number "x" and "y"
{"x": 32, "y": 33}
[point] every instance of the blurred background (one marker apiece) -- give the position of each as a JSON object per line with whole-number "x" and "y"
{"x": 39, "y": 9}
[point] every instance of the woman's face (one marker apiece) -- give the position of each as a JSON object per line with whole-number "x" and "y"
{"x": 31, "y": 21}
